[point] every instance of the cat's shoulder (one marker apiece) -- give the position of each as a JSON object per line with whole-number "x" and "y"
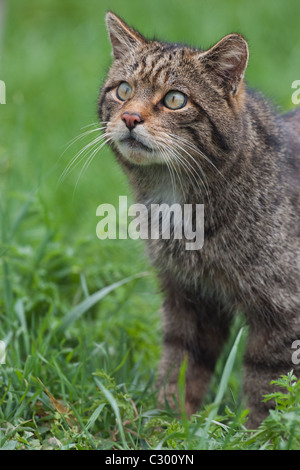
{"x": 291, "y": 126}
{"x": 292, "y": 120}
{"x": 291, "y": 129}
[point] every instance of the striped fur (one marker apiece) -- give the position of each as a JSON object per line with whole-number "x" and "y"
{"x": 227, "y": 148}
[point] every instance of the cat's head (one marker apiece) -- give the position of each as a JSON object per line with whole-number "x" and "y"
{"x": 165, "y": 103}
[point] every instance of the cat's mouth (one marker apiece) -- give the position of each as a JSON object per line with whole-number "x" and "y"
{"x": 137, "y": 149}
{"x": 133, "y": 144}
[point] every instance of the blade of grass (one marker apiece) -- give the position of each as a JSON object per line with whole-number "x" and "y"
{"x": 7, "y": 288}
{"x": 20, "y": 312}
{"x": 93, "y": 418}
{"x": 115, "y": 408}
{"x": 83, "y": 427}
{"x": 21, "y": 215}
{"x": 87, "y": 303}
{"x": 222, "y": 388}
{"x": 181, "y": 387}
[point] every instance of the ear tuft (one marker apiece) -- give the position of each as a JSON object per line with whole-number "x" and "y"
{"x": 228, "y": 60}
{"x": 122, "y": 37}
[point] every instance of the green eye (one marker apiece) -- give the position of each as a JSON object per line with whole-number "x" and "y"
{"x": 175, "y": 100}
{"x": 124, "y": 91}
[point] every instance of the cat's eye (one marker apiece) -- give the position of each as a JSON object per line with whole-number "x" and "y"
{"x": 124, "y": 91}
{"x": 175, "y": 100}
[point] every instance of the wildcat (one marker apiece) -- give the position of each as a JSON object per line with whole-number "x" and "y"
{"x": 186, "y": 129}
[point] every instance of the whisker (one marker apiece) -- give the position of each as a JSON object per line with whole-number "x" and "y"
{"x": 83, "y": 134}
{"x": 204, "y": 185}
{"x": 169, "y": 166}
{"x": 175, "y": 146}
{"x": 175, "y": 158}
{"x": 80, "y": 155}
{"x": 89, "y": 161}
{"x": 197, "y": 150}
{"x": 94, "y": 124}
{"x": 188, "y": 166}
{"x": 173, "y": 166}
{"x": 73, "y": 163}
{"x": 191, "y": 166}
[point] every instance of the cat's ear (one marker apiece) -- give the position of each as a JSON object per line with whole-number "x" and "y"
{"x": 227, "y": 61}
{"x": 122, "y": 38}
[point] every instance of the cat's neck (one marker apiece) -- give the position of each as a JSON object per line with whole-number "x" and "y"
{"x": 155, "y": 185}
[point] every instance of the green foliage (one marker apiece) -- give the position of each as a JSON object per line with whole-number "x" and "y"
{"x": 282, "y": 427}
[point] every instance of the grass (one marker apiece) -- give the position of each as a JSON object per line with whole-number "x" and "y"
{"x": 79, "y": 316}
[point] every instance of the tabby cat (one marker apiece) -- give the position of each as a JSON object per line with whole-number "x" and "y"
{"x": 186, "y": 129}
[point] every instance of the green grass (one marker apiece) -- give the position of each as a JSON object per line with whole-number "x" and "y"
{"x": 80, "y": 316}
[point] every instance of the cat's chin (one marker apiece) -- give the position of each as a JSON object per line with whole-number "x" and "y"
{"x": 138, "y": 155}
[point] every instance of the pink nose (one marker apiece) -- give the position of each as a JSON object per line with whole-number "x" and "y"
{"x": 131, "y": 119}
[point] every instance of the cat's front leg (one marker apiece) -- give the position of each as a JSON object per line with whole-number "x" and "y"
{"x": 269, "y": 355}
{"x": 195, "y": 328}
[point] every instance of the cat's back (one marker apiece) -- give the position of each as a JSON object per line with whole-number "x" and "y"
{"x": 293, "y": 119}
{"x": 291, "y": 128}
{"x": 291, "y": 122}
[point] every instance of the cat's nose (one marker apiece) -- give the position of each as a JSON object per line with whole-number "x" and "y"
{"x": 131, "y": 119}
